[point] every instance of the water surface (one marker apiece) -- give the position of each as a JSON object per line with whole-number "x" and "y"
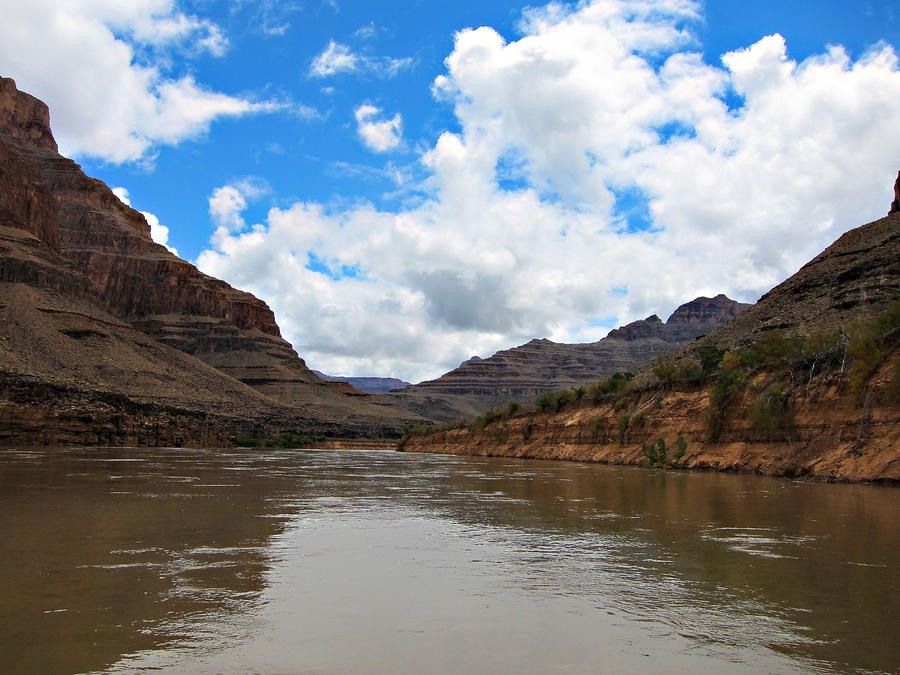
{"x": 119, "y": 560}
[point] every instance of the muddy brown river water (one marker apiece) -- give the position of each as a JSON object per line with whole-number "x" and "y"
{"x": 325, "y": 561}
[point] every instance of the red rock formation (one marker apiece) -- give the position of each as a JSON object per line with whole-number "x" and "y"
{"x": 72, "y": 251}
{"x": 24, "y": 117}
{"x": 895, "y": 205}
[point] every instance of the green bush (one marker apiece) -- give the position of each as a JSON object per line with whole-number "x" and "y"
{"x": 710, "y": 356}
{"x": 656, "y": 454}
{"x": 665, "y": 370}
{"x": 680, "y": 447}
{"x": 610, "y": 385}
{"x": 512, "y": 408}
{"x": 722, "y": 390}
{"x": 527, "y": 426}
{"x": 689, "y": 371}
{"x": 769, "y": 412}
{"x": 775, "y": 345}
{"x": 547, "y": 400}
{"x": 484, "y": 420}
{"x": 598, "y": 430}
{"x": 869, "y": 345}
{"x": 564, "y": 397}
{"x": 623, "y": 427}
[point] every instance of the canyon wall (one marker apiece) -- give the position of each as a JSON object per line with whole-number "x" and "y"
{"x": 95, "y": 311}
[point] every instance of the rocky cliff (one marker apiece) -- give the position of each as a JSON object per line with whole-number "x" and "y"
{"x": 524, "y": 372}
{"x": 92, "y": 306}
{"x": 808, "y": 384}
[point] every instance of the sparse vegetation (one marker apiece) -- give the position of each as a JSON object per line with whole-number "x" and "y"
{"x": 656, "y": 454}
{"x": 527, "y": 426}
{"x": 730, "y": 379}
{"x": 598, "y": 430}
{"x": 770, "y": 412}
{"x": 868, "y": 345}
{"x": 623, "y": 427}
{"x": 284, "y": 439}
{"x": 416, "y": 430}
{"x": 547, "y": 400}
{"x": 611, "y": 385}
{"x": 710, "y": 356}
{"x": 665, "y": 370}
{"x": 680, "y": 447}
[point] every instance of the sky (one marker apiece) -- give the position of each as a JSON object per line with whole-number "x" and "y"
{"x": 408, "y": 184}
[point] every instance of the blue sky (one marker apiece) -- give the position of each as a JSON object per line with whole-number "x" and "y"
{"x": 406, "y": 193}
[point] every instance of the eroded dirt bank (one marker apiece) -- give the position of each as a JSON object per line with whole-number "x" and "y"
{"x": 823, "y": 431}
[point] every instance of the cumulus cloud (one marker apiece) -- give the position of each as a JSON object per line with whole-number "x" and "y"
{"x": 379, "y": 135}
{"x": 602, "y": 171}
{"x": 97, "y": 66}
{"x": 228, "y": 202}
{"x": 158, "y": 232}
{"x": 339, "y": 58}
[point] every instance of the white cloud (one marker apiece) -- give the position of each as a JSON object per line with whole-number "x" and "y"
{"x": 599, "y": 112}
{"x": 379, "y": 135}
{"x": 335, "y": 58}
{"x": 109, "y": 98}
{"x": 339, "y": 58}
{"x": 158, "y": 232}
{"x": 228, "y": 202}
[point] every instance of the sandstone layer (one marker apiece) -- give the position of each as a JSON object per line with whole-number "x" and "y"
{"x": 97, "y": 318}
{"x": 524, "y": 373}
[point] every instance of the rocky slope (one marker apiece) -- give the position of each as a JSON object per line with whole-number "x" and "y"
{"x": 93, "y": 307}
{"x": 524, "y": 372}
{"x": 814, "y": 413}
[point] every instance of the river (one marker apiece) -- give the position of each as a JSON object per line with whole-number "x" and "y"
{"x": 325, "y": 561}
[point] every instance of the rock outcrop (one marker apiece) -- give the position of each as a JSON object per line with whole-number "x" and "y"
{"x": 525, "y": 372}
{"x": 94, "y": 310}
{"x": 895, "y": 205}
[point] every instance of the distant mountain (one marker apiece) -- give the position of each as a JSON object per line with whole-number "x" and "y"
{"x": 523, "y": 373}
{"x": 369, "y": 385}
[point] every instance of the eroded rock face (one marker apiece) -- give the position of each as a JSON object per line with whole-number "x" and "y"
{"x": 895, "y": 205}
{"x": 25, "y": 118}
{"x": 93, "y": 307}
{"x": 525, "y": 372}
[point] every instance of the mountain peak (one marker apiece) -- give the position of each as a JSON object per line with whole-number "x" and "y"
{"x": 705, "y": 310}
{"x": 24, "y": 118}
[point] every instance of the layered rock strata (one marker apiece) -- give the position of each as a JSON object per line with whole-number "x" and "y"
{"x": 92, "y": 309}
{"x": 524, "y": 372}
{"x": 829, "y": 438}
